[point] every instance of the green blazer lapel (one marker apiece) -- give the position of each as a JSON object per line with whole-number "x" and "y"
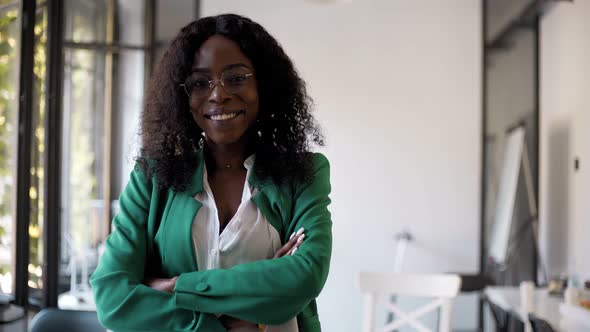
{"x": 179, "y": 252}
{"x": 179, "y": 248}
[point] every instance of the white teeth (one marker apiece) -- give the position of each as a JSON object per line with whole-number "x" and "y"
{"x": 222, "y": 117}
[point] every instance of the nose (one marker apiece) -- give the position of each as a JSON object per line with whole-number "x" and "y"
{"x": 218, "y": 94}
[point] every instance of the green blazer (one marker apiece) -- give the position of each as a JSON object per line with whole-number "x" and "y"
{"x": 152, "y": 234}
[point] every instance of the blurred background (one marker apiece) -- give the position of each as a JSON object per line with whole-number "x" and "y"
{"x": 416, "y": 98}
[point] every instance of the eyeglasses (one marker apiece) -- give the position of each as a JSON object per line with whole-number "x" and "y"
{"x": 200, "y": 85}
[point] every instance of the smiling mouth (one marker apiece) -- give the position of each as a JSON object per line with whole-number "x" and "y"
{"x": 224, "y": 116}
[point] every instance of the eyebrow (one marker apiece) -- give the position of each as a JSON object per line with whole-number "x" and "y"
{"x": 228, "y": 67}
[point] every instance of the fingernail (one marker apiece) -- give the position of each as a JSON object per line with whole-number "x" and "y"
{"x": 291, "y": 237}
{"x": 293, "y": 252}
{"x": 300, "y": 231}
{"x": 300, "y": 239}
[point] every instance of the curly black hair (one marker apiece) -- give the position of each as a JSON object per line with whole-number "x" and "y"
{"x": 170, "y": 135}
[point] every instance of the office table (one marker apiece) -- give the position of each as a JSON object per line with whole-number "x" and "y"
{"x": 10, "y": 312}
{"x": 19, "y": 325}
{"x": 546, "y": 307}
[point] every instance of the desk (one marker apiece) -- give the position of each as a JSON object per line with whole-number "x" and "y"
{"x": 20, "y": 325}
{"x": 10, "y": 312}
{"x": 546, "y": 308}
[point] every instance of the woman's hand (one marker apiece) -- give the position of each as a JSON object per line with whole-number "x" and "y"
{"x": 161, "y": 284}
{"x": 292, "y": 245}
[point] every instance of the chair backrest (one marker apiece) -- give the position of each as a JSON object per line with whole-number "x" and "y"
{"x": 501, "y": 317}
{"x": 515, "y": 324}
{"x": 443, "y": 288}
{"x": 540, "y": 325}
{"x": 57, "y": 320}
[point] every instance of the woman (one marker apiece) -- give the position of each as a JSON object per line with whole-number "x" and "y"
{"x": 210, "y": 234}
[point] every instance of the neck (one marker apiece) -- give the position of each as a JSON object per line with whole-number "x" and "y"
{"x": 226, "y": 156}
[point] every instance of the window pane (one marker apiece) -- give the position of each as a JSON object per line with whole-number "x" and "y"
{"x": 37, "y": 189}
{"x": 85, "y": 21}
{"x": 9, "y": 82}
{"x": 130, "y": 22}
{"x": 83, "y": 220}
{"x": 128, "y": 80}
{"x": 171, "y": 15}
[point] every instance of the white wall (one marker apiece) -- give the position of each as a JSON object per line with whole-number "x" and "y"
{"x": 397, "y": 89}
{"x": 565, "y": 120}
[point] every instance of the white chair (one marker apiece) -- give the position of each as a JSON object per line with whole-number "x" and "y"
{"x": 442, "y": 287}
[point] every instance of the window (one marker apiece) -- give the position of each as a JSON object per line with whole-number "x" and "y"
{"x": 9, "y": 77}
{"x": 81, "y": 101}
{"x": 102, "y": 98}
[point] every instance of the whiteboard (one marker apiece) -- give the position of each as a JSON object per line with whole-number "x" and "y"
{"x": 506, "y": 195}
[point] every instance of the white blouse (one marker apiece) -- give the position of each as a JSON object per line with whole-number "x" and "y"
{"x": 247, "y": 237}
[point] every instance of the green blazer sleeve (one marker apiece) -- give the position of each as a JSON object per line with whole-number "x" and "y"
{"x": 272, "y": 291}
{"x": 123, "y": 302}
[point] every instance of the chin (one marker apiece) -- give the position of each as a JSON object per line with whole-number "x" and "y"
{"x": 225, "y": 139}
